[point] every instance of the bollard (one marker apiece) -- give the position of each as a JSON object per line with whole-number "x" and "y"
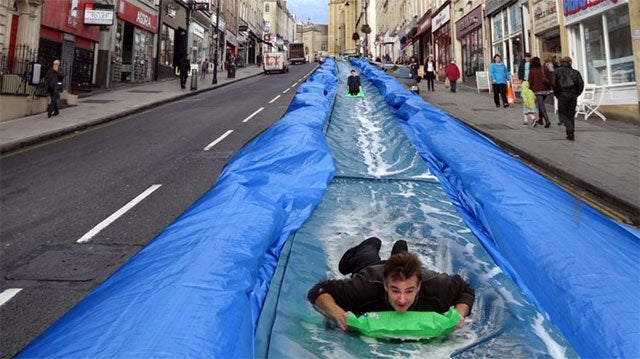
{"x": 231, "y": 71}
{"x": 194, "y": 79}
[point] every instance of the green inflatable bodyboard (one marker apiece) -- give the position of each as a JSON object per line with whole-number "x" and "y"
{"x": 407, "y": 325}
{"x": 358, "y": 95}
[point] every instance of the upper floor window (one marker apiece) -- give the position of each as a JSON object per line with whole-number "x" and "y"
{"x": 267, "y": 7}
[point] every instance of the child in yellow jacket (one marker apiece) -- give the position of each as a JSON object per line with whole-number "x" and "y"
{"x": 529, "y": 108}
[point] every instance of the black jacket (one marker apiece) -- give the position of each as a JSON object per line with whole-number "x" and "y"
{"x": 567, "y": 81}
{"x": 54, "y": 80}
{"x": 353, "y": 82}
{"x": 364, "y": 292}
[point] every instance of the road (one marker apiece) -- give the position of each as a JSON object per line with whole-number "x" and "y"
{"x": 75, "y": 209}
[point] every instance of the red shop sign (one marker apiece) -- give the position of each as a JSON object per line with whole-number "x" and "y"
{"x": 137, "y": 16}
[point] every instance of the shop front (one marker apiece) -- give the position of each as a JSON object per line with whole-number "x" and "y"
{"x": 547, "y": 30}
{"x": 133, "y": 59}
{"x": 600, "y": 44}
{"x": 420, "y": 38}
{"x": 441, "y": 29}
{"x": 172, "y": 45}
{"x": 469, "y": 33}
{"x": 505, "y": 19}
{"x": 64, "y": 36}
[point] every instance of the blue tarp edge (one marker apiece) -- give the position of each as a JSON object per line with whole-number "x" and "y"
{"x": 197, "y": 288}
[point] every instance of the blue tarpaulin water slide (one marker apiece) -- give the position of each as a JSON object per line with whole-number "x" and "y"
{"x": 554, "y": 278}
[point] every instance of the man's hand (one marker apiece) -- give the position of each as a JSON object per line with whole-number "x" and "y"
{"x": 463, "y": 310}
{"x": 327, "y": 306}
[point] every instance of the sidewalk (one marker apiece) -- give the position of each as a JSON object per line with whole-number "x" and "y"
{"x": 107, "y": 105}
{"x": 602, "y": 166}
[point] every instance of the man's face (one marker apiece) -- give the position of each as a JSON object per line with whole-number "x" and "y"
{"x": 402, "y": 293}
{"x": 353, "y": 73}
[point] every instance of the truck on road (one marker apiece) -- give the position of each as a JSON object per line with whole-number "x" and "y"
{"x": 275, "y": 61}
{"x": 297, "y": 53}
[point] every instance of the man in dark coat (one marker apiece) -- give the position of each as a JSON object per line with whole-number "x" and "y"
{"x": 353, "y": 83}
{"x": 54, "y": 86}
{"x": 567, "y": 86}
{"x": 184, "y": 66}
{"x": 398, "y": 284}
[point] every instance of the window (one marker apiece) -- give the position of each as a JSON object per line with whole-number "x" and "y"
{"x": 515, "y": 18}
{"x": 603, "y": 48}
{"x": 620, "y": 50}
{"x": 267, "y": 7}
{"x": 497, "y": 27}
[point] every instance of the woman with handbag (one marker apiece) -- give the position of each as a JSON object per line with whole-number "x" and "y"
{"x": 499, "y": 77}
{"x": 430, "y": 72}
{"x": 540, "y": 81}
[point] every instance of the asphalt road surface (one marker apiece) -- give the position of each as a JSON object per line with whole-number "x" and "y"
{"x": 73, "y": 210}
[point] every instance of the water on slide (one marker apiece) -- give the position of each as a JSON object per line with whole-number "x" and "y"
{"x": 383, "y": 188}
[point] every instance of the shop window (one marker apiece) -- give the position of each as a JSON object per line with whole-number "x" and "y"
{"x": 515, "y": 18}
{"x": 497, "y": 27}
{"x": 620, "y": 51}
{"x": 595, "y": 51}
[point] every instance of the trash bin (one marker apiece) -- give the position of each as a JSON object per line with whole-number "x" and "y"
{"x": 194, "y": 79}
{"x": 231, "y": 71}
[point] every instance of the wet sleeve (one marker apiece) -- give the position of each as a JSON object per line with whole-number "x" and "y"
{"x": 350, "y": 294}
{"x": 461, "y": 291}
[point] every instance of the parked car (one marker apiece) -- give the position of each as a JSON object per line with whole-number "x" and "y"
{"x": 405, "y": 75}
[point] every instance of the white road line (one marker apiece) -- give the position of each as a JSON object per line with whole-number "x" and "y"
{"x": 294, "y": 84}
{"x": 274, "y": 99}
{"x": 102, "y": 225}
{"x": 218, "y": 140}
{"x": 253, "y": 114}
{"x": 7, "y": 294}
{"x": 287, "y": 90}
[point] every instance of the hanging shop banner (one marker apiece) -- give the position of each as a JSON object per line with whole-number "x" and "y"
{"x": 441, "y": 18}
{"x": 98, "y": 14}
{"x": 545, "y": 15}
{"x": 137, "y": 16}
{"x": 469, "y": 22}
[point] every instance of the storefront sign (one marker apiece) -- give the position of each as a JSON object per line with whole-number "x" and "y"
{"x": 577, "y": 10}
{"x": 441, "y": 18}
{"x": 545, "y": 15}
{"x": 198, "y": 30}
{"x": 492, "y": 5}
{"x": 98, "y": 14}
{"x": 469, "y": 22}
{"x": 137, "y": 16}
{"x": 424, "y": 24}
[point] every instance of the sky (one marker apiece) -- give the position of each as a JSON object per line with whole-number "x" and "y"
{"x": 316, "y": 10}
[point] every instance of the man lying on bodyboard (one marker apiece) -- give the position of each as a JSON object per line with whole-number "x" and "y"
{"x": 354, "y": 88}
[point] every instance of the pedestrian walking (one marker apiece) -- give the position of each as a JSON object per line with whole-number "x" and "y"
{"x": 413, "y": 64}
{"x": 528, "y": 104}
{"x": 204, "y": 69}
{"x": 567, "y": 86}
{"x": 430, "y": 72}
{"x": 540, "y": 82}
{"x": 54, "y": 86}
{"x": 523, "y": 68}
{"x": 184, "y": 66}
{"x": 499, "y": 74}
{"x": 453, "y": 74}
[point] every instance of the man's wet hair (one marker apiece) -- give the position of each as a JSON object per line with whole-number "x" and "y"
{"x": 402, "y": 266}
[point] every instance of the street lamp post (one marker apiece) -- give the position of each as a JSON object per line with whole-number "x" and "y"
{"x": 215, "y": 52}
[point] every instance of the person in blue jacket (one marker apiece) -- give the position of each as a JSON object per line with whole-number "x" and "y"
{"x": 499, "y": 74}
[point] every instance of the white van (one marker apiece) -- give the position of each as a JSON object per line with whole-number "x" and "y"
{"x": 275, "y": 61}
